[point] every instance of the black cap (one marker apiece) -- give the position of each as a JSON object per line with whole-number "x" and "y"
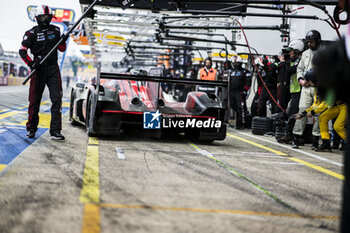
{"x": 310, "y": 76}
{"x": 313, "y": 35}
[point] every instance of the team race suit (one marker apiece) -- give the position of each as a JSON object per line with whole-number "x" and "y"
{"x": 239, "y": 79}
{"x": 40, "y": 42}
{"x": 269, "y": 75}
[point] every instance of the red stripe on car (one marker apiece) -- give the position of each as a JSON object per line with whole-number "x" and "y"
{"x": 126, "y": 112}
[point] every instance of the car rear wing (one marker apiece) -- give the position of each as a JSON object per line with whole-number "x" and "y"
{"x": 155, "y": 75}
{"x": 117, "y": 76}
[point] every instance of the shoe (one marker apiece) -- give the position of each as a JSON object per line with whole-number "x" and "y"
{"x": 335, "y": 145}
{"x": 286, "y": 138}
{"x": 301, "y": 141}
{"x": 314, "y": 143}
{"x": 342, "y": 145}
{"x": 295, "y": 142}
{"x": 269, "y": 134}
{"x": 30, "y": 134}
{"x": 325, "y": 146}
{"x": 57, "y": 136}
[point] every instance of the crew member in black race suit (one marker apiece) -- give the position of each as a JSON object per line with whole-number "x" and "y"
{"x": 40, "y": 40}
{"x": 239, "y": 86}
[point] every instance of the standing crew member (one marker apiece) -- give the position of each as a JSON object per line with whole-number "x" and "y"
{"x": 40, "y": 40}
{"x": 269, "y": 76}
{"x": 238, "y": 81}
{"x": 295, "y": 48}
{"x": 313, "y": 39}
{"x": 283, "y": 79}
{"x": 247, "y": 117}
{"x": 255, "y": 102}
{"x": 207, "y": 72}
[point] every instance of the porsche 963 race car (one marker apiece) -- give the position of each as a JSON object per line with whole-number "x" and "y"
{"x": 118, "y": 102}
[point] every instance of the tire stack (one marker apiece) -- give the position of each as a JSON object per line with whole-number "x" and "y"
{"x": 280, "y": 128}
{"x": 280, "y": 131}
{"x": 261, "y": 125}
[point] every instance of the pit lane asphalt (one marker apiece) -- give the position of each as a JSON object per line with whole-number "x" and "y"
{"x": 136, "y": 184}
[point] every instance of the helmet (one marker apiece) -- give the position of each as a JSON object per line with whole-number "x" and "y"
{"x": 313, "y": 35}
{"x": 297, "y": 45}
{"x": 236, "y": 59}
{"x": 43, "y": 10}
{"x": 43, "y": 15}
{"x": 227, "y": 65}
{"x": 262, "y": 60}
{"x": 310, "y": 76}
{"x": 134, "y": 72}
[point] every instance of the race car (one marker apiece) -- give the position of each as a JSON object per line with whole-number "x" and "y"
{"x": 117, "y": 102}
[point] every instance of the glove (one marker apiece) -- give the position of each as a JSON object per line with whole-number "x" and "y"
{"x": 64, "y": 37}
{"x": 33, "y": 65}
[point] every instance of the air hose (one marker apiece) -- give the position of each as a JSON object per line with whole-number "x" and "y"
{"x": 256, "y": 67}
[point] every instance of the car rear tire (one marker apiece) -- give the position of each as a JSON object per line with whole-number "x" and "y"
{"x": 71, "y": 108}
{"x": 89, "y": 129}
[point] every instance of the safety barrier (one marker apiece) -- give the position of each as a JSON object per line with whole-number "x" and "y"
{"x": 15, "y": 81}
{"x": 10, "y": 81}
{"x": 3, "y": 80}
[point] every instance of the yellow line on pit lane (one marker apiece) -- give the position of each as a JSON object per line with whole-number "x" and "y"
{"x": 44, "y": 121}
{"x": 64, "y": 104}
{"x": 91, "y": 219}
{"x": 90, "y": 193}
{"x": 44, "y": 117}
{"x": 9, "y": 114}
{"x": 310, "y": 165}
{"x": 269, "y": 214}
{"x": 93, "y": 141}
{"x": 14, "y": 112}
{"x": 2, "y": 166}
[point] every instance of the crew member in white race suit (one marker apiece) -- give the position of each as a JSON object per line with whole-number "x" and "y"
{"x": 313, "y": 39}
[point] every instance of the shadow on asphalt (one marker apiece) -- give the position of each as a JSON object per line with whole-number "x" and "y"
{"x": 140, "y": 135}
